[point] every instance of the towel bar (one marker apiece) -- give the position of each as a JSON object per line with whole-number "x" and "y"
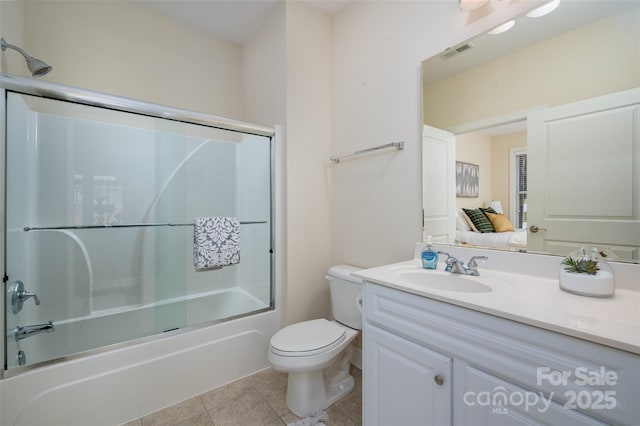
{"x": 130, "y": 225}
{"x": 398, "y": 145}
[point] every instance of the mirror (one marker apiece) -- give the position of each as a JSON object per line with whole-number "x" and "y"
{"x": 489, "y": 91}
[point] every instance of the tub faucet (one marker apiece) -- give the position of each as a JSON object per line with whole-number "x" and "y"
{"x": 22, "y": 332}
{"x": 456, "y": 266}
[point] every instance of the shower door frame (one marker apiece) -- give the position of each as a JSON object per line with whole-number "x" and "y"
{"x": 60, "y": 92}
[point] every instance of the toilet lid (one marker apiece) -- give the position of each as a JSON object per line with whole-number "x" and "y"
{"x": 307, "y": 338}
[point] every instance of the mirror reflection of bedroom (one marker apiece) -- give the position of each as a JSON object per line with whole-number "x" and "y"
{"x": 499, "y": 187}
{"x": 544, "y": 134}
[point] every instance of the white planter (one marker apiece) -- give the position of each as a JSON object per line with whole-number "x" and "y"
{"x": 599, "y": 285}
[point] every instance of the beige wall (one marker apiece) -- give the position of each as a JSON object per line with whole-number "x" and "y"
{"x": 264, "y": 103}
{"x": 590, "y": 61}
{"x": 11, "y": 17}
{"x": 264, "y": 72}
{"x": 475, "y": 148}
{"x": 122, "y": 49}
{"x": 308, "y": 141}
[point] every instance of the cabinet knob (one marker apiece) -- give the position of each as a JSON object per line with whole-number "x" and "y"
{"x": 439, "y": 380}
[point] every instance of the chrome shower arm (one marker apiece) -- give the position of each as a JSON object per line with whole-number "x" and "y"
{"x": 4, "y": 45}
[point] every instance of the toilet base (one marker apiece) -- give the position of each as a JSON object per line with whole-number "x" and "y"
{"x": 310, "y": 391}
{"x": 338, "y": 390}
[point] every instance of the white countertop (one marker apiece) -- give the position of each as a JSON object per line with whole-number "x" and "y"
{"x": 532, "y": 300}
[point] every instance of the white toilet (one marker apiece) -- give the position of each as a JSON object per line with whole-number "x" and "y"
{"x": 317, "y": 353}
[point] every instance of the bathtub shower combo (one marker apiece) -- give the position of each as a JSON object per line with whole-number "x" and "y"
{"x": 99, "y": 200}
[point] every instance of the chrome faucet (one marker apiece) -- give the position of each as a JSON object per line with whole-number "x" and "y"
{"x": 472, "y": 266}
{"x": 22, "y": 332}
{"x": 456, "y": 266}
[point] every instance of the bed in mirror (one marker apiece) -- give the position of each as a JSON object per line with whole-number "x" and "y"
{"x": 547, "y": 116}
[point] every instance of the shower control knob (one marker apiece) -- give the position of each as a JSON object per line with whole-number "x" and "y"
{"x": 19, "y": 296}
{"x": 438, "y": 379}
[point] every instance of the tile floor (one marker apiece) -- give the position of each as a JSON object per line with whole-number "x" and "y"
{"x": 255, "y": 400}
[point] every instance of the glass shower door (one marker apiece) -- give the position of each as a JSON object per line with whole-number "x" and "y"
{"x": 99, "y": 236}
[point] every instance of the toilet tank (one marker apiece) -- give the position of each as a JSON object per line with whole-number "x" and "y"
{"x": 346, "y": 295}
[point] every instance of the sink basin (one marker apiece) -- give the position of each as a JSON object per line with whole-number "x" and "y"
{"x": 440, "y": 280}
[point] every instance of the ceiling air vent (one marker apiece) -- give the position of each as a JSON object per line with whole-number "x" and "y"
{"x": 453, "y": 51}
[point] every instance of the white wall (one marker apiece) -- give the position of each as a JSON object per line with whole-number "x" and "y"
{"x": 377, "y": 49}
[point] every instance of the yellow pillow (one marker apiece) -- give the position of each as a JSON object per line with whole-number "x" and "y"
{"x": 500, "y": 222}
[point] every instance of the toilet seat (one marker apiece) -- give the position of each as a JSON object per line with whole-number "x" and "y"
{"x": 307, "y": 338}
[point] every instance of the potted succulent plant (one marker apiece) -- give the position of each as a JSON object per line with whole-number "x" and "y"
{"x": 586, "y": 272}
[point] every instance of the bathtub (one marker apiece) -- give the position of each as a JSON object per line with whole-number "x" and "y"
{"x": 127, "y": 382}
{"x": 79, "y": 335}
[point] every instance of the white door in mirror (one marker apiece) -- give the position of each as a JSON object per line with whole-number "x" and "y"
{"x": 582, "y": 175}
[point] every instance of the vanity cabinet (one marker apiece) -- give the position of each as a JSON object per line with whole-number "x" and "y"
{"x": 410, "y": 384}
{"x": 427, "y": 362}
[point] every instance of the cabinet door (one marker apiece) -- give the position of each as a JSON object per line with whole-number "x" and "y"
{"x": 483, "y": 399}
{"x": 404, "y": 383}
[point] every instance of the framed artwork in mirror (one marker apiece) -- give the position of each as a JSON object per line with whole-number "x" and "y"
{"x": 467, "y": 180}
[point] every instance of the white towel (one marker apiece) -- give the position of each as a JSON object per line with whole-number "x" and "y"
{"x": 216, "y": 242}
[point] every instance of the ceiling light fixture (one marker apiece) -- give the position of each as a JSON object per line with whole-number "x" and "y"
{"x": 471, "y": 4}
{"x": 544, "y": 9}
{"x": 502, "y": 28}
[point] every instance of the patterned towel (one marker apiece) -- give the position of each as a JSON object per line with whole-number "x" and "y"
{"x": 216, "y": 242}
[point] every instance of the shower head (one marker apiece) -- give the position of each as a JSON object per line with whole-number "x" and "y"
{"x": 37, "y": 67}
